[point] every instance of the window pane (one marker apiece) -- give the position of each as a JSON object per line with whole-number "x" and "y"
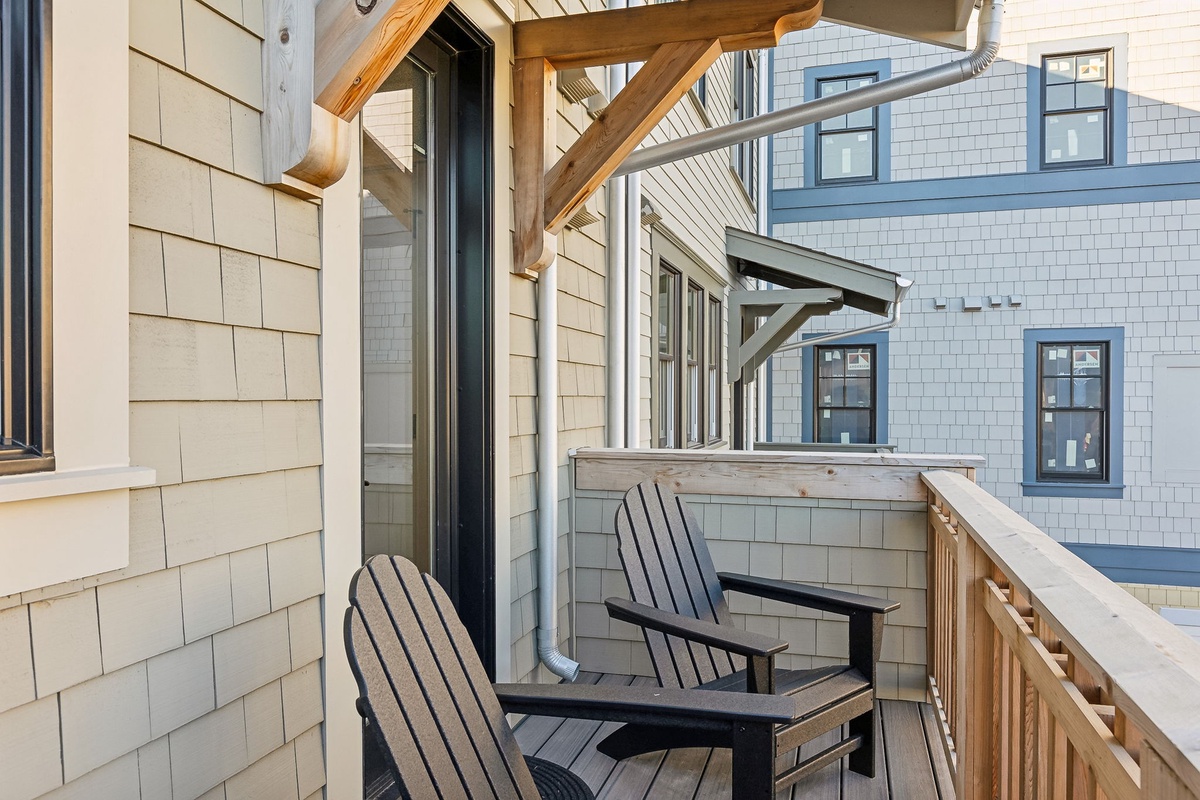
{"x": 1079, "y": 136}
{"x": 844, "y": 426}
{"x": 861, "y": 119}
{"x": 1060, "y": 96}
{"x": 694, "y": 303}
{"x": 1056, "y": 392}
{"x": 666, "y": 312}
{"x": 1071, "y": 443}
{"x": 848, "y": 155}
{"x": 693, "y": 418}
{"x": 1060, "y": 69}
{"x": 1055, "y": 360}
{"x": 1092, "y": 67}
{"x": 858, "y": 391}
{"x": 830, "y": 392}
{"x": 1087, "y": 95}
{"x": 1088, "y": 392}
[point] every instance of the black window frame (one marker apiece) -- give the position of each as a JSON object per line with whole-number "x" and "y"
{"x": 1106, "y": 107}
{"x": 821, "y": 134}
{"x": 26, "y": 430}
{"x": 745, "y": 106}
{"x": 819, "y": 404}
{"x": 1044, "y": 408}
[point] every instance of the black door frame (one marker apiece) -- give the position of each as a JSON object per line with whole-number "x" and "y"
{"x": 464, "y": 479}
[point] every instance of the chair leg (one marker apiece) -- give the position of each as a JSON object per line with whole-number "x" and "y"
{"x": 862, "y": 760}
{"x": 754, "y": 762}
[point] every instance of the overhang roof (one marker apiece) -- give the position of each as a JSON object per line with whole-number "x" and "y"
{"x": 942, "y": 22}
{"x": 864, "y": 287}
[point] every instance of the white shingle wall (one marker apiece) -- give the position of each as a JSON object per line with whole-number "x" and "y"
{"x": 956, "y": 378}
{"x": 193, "y": 671}
{"x": 979, "y": 128}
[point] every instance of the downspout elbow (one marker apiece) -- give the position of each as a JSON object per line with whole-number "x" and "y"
{"x": 552, "y": 657}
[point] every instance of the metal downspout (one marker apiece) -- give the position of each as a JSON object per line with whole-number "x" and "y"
{"x": 885, "y": 91}
{"x": 616, "y": 269}
{"x": 633, "y": 292}
{"x": 547, "y": 485}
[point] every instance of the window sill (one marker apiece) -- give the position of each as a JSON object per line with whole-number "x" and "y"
{"x": 41, "y": 485}
{"x": 1105, "y": 490}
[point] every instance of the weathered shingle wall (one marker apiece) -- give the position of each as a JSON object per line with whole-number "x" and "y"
{"x": 196, "y": 670}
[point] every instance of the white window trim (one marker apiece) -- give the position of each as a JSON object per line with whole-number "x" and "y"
{"x": 74, "y": 522}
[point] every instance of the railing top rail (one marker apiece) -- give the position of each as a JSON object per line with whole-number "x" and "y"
{"x": 1151, "y": 668}
{"x": 835, "y": 476}
{"x": 928, "y": 461}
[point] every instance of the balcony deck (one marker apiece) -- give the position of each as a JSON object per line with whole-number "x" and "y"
{"x": 912, "y": 763}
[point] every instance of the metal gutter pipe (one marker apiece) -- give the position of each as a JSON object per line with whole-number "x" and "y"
{"x": 615, "y": 246}
{"x": 902, "y": 287}
{"x": 823, "y": 108}
{"x": 633, "y": 308}
{"x": 547, "y": 485}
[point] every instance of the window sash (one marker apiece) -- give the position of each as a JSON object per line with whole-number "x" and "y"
{"x": 835, "y": 405}
{"x": 855, "y": 123}
{"x": 714, "y": 369}
{"x": 668, "y": 347}
{"x": 1073, "y": 412}
{"x": 1055, "y": 110}
{"x": 25, "y": 425}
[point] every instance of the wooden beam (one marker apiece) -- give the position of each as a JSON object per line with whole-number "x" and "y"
{"x": 630, "y": 116}
{"x": 534, "y": 115}
{"x": 358, "y": 44}
{"x": 618, "y": 36}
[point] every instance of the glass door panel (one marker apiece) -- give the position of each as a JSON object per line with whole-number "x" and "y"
{"x": 397, "y": 316}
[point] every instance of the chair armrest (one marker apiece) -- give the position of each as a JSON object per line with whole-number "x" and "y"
{"x": 831, "y": 600}
{"x": 683, "y": 708}
{"x": 724, "y": 637}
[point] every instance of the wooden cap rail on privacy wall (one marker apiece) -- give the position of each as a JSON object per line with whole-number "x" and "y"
{"x": 323, "y": 60}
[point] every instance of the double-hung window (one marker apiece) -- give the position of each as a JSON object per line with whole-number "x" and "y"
{"x": 1077, "y": 109}
{"x": 25, "y": 425}
{"x": 1073, "y": 411}
{"x": 847, "y": 145}
{"x": 689, "y": 323}
{"x": 844, "y": 386}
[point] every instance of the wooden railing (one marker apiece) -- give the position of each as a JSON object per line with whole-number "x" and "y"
{"x": 1050, "y": 680}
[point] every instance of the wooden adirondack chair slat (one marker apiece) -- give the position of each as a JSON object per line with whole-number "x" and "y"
{"x": 669, "y": 569}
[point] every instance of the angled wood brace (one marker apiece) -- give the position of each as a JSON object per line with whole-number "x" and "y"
{"x": 678, "y": 42}
{"x": 786, "y": 311}
{"x": 321, "y": 62}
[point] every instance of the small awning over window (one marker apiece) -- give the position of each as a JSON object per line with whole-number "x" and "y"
{"x": 814, "y": 284}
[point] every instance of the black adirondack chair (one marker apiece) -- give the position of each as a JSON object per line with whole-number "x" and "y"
{"x": 678, "y": 602}
{"x": 441, "y": 724}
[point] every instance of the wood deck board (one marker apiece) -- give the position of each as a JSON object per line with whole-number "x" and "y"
{"x": 906, "y": 768}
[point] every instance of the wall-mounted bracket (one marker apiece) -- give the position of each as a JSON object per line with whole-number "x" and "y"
{"x": 785, "y": 310}
{"x": 678, "y": 42}
{"x": 321, "y": 63}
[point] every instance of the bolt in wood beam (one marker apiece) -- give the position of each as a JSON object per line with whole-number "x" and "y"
{"x": 360, "y": 42}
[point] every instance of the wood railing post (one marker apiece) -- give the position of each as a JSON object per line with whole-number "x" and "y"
{"x": 974, "y": 676}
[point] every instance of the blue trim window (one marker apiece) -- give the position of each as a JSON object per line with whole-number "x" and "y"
{"x": 851, "y": 148}
{"x": 1076, "y": 109}
{"x": 1074, "y": 379}
{"x": 844, "y": 387}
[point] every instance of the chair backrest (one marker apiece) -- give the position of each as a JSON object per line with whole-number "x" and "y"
{"x": 668, "y": 566}
{"x": 424, "y": 689}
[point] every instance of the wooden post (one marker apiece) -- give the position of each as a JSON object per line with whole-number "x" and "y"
{"x": 974, "y": 676}
{"x": 534, "y": 111}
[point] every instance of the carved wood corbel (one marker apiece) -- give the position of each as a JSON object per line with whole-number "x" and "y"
{"x": 321, "y": 63}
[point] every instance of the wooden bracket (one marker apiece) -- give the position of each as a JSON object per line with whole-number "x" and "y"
{"x": 786, "y": 311}
{"x": 321, "y": 63}
{"x": 678, "y": 42}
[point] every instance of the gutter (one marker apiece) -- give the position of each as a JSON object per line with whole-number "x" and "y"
{"x": 823, "y": 108}
{"x": 902, "y": 287}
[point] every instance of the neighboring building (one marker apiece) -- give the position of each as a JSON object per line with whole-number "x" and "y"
{"x": 1049, "y": 212}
